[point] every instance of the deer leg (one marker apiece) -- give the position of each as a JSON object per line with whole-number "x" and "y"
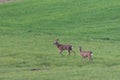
{"x": 83, "y": 58}
{"x": 60, "y": 51}
{"x": 90, "y": 58}
{"x": 69, "y": 52}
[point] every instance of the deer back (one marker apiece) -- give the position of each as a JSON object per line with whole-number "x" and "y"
{"x": 65, "y": 47}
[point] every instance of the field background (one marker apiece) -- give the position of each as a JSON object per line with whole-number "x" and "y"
{"x": 28, "y": 29}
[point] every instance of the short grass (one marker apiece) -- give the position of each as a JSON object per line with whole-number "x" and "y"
{"x": 28, "y": 29}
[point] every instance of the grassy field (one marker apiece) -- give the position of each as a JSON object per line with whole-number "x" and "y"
{"x": 28, "y": 29}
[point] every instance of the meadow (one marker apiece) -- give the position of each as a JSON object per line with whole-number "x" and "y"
{"x": 28, "y": 29}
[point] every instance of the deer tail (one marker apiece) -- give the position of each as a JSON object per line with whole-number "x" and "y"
{"x": 91, "y": 54}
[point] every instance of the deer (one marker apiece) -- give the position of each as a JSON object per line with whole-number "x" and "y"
{"x": 63, "y": 47}
{"x": 85, "y": 54}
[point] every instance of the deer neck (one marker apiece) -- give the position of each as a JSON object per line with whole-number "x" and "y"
{"x": 58, "y": 45}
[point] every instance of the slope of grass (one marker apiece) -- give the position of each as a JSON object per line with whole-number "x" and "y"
{"x": 28, "y": 29}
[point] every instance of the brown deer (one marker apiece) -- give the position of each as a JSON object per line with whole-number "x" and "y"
{"x": 62, "y": 47}
{"x": 85, "y": 54}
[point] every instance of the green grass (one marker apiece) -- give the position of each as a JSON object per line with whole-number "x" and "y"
{"x": 28, "y": 29}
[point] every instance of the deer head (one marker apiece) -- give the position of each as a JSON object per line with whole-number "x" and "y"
{"x": 56, "y": 42}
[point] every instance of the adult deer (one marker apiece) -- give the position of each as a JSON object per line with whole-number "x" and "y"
{"x": 62, "y": 47}
{"x": 85, "y": 54}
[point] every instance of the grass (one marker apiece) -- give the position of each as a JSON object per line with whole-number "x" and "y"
{"x": 28, "y": 29}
